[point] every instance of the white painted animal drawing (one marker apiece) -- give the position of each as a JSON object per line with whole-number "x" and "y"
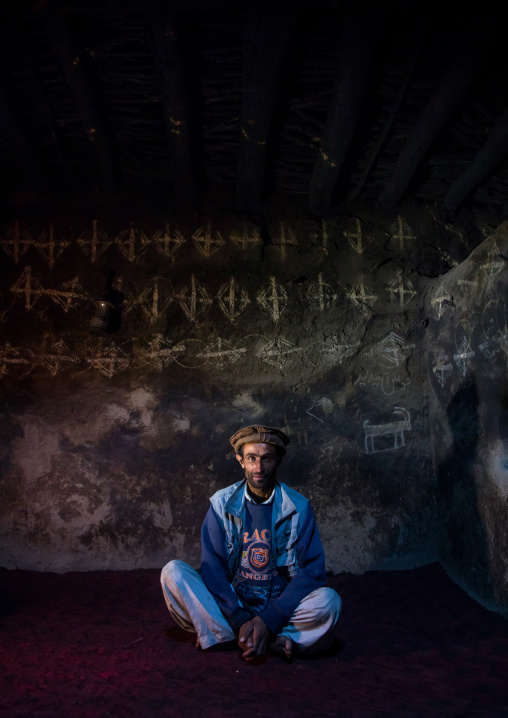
{"x": 391, "y": 428}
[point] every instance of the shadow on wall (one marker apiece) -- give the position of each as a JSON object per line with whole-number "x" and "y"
{"x": 463, "y": 547}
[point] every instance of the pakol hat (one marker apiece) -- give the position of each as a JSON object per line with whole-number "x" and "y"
{"x": 259, "y": 435}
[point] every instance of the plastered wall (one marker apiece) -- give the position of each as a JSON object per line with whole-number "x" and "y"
{"x": 112, "y": 443}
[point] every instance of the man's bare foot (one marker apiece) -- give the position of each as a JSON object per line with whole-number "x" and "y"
{"x": 282, "y": 646}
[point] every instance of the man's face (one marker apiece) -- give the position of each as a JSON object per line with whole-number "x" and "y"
{"x": 259, "y": 462}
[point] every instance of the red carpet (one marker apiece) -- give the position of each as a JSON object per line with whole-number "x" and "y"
{"x": 102, "y": 644}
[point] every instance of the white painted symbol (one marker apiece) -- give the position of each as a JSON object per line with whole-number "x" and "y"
{"x": 220, "y": 353}
{"x": 169, "y": 243}
{"x": 278, "y": 352}
{"x": 232, "y": 299}
{"x": 442, "y": 367}
{"x": 16, "y": 241}
{"x": 273, "y": 299}
{"x": 402, "y": 232}
{"x": 67, "y": 297}
{"x": 494, "y": 263}
{"x": 29, "y": 287}
{"x": 153, "y": 301}
{"x": 161, "y": 353}
{"x": 207, "y": 242}
{"x": 52, "y": 357}
{"x": 401, "y": 290}
{"x": 391, "y": 428}
{"x": 495, "y": 327}
{"x": 94, "y": 243}
{"x": 393, "y": 350}
{"x": 48, "y": 247}
{"x": 386, "y": 381}
{"x": 322, "y": 236}
{"x": 247, "y": 239}
{"x": 132, "y": 243}
{"x": 109, "y": 361}
{"x": 286, "y": 239}
{"x": 464, "y": 354}
{"x": 356, "y": 238}
{"x": 362, "y": 297}
{"x": 321, "y": 295}
{"x": 194, "y": 301}
{"x": 12, "y": 358}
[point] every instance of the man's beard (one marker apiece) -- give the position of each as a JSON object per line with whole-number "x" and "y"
{"x": 262, "y": 483}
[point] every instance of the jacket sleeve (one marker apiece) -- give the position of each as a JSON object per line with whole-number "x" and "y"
{"x": 214, "y": 571}
{"x": 311, "y": 575}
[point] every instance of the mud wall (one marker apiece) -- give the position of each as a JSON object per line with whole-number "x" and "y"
{"x": 467, "y": 362}
{"x": 112, "y": 442}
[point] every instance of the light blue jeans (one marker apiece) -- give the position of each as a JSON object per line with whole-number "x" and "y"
{"x": 311, "y": 627}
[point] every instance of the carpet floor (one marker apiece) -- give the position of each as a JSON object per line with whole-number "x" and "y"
{"x": 94, "y": 644}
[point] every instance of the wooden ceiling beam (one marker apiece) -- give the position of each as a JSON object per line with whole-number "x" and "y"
{"x": 174, "y": 100}
{"x": 359, "y": 34}
{"x": 463, "y": 70}
{"x": 270, "y": 28}
{"x": 487, "y": 159}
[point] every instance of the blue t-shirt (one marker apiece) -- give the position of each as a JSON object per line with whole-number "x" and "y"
{"x": 257, "y": 582}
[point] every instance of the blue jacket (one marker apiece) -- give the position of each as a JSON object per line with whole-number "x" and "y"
{"x": 296, "y": 547}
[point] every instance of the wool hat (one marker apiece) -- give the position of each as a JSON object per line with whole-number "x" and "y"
{"x": 259, "y": 435}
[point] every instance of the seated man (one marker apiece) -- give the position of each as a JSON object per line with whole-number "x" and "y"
{"x": 263, "y": 578}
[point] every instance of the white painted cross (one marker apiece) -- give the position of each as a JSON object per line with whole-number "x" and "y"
{"x": 285, "y": 240}
{"x": 95, "y": 242}
{"x": 132, "y": 243}
{"x": 361, "y": 297}
{"x": 194, "y": 301}
{"x": 273, "y": 299}
{"x": 401, "y": 231}
{"x": 207, "y": 242}
{"x": 48, "y": 247}
{"x": 356, "y": 239}
{"x": 277, "y": 352}
{"x": 401, "y": 291}
{"x": 152, "y": 301}
{"x": 51, "y": 358}
{"x": 394, "y": 348}
{"x": 11, "y": 358}
{"x": 463, "y": 356}
{"x": 321, "y": 294}
{"x": 323, "y": 235}
{"x": 161, "y": 353}
{"x": 220, "y": 354}
{"x": 16, "y": 241}
{"x": 169, "y": 243}
{"x": 232, "y": 299}
{"x": 29, "y": 287}
{"x": 109, "y": 361}
{"x": 246, "y": 239}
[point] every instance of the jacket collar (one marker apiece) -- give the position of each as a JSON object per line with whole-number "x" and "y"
{"x": 283, "y": 506}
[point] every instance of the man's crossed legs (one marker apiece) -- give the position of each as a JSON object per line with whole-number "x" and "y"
{"x": 311, "y": 628}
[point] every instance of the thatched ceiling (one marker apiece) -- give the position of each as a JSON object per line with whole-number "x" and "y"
{"x": 330, "y": 102}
